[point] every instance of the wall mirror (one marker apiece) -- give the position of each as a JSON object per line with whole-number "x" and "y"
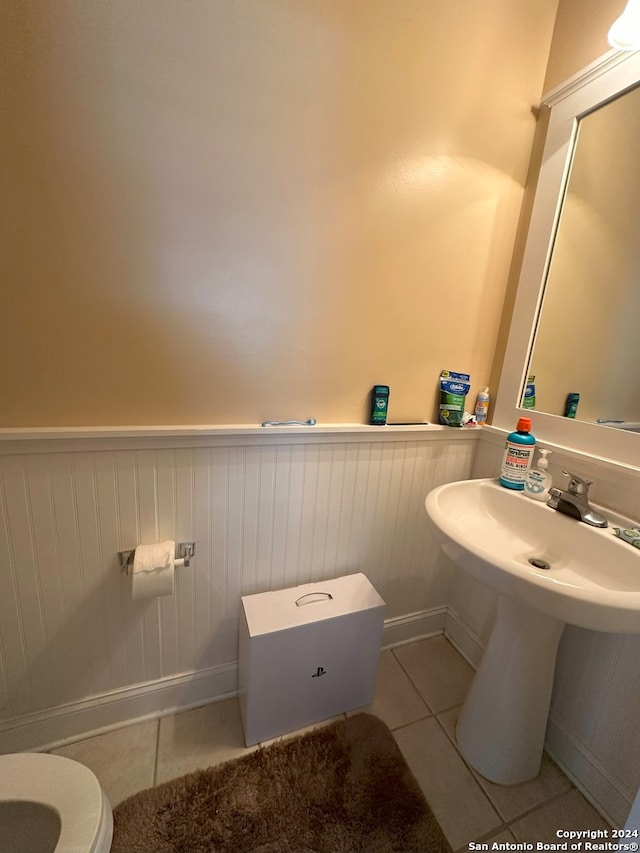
{"x": 576, "y": 320}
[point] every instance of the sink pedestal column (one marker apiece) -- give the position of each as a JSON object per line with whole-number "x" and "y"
{"x": 502, "y": 724}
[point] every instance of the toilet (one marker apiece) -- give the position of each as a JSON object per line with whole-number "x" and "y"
{"x": 51, "y": 804}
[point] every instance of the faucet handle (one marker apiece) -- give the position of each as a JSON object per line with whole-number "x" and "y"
{"x": 577, "y": 486}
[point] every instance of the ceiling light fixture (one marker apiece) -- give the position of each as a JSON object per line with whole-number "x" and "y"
{"x": 625, "y": 32}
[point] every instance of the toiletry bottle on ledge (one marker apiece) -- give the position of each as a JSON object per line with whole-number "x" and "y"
{"x": 518, "y": 454}
{"x": 571, "y": 405}
{"x": 538, "y": 480}
{"x": 379, "y": 405}
{"x": 529, "y": 396}
{"x": 482, "y": 407}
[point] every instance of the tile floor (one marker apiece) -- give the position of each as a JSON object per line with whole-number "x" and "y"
{"x": 419, "y": 691}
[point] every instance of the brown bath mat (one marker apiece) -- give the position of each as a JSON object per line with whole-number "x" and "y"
{"x": 343, "y": 788}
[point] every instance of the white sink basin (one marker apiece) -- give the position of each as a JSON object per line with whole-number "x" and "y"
{"x": 593, "y": 581}
{"x": 492, "y": 533}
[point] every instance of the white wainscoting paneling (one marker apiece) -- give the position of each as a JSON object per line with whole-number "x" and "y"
{"x": 263, "y": 515}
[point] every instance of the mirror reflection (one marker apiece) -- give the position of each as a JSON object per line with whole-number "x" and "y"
{"x": 588, "y": 336}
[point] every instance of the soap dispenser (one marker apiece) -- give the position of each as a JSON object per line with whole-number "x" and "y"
{"x": 538, "y": 480}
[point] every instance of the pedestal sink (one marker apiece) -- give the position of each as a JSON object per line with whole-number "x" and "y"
{"x": 548, "y": 570}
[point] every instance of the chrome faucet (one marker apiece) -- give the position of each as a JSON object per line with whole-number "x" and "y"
{"x": 574, "y": 501}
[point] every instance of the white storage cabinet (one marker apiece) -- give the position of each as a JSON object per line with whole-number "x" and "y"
{"x": 307, "y": 654}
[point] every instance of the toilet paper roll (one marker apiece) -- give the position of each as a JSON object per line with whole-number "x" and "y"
{"x": 153, "y": 570}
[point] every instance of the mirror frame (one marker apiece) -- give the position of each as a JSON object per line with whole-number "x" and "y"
{"x": 594, "y": 86}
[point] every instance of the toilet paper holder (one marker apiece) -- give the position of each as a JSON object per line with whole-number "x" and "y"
{"x": 184, "y": 552}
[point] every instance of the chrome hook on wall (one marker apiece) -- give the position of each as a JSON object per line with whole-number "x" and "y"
{"x": 186, "y": 550}
{"x": 126, "y": 560}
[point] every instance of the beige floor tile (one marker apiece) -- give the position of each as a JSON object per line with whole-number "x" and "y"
{"x": 514, "y": 800}
{"x": 306, "y": 729}
{"x": 440, "y": 674}
{"x": 123, "y": 760}
{"x": 569, "y": 811}
{"x": 199, "y": 738}
{"x": 458, "y": 802}
{"x": 448, "y": 720}
{"x": 396, "y": 701}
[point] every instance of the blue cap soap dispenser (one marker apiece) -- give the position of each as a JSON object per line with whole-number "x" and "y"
{"x": 538, "y": 480}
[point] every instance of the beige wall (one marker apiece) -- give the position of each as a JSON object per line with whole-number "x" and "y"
{"x": 228, "y": 212}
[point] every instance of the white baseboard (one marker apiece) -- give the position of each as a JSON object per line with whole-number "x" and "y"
{"x": 54, "y": 727}
{"x": 587, "y": 774}
{"x": 63, "y": 724}
{"x": 413, "y": 626}
{"x": 464, "y": 638}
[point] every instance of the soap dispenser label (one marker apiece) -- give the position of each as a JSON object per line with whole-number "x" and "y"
{"x": 536, "y": 483}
